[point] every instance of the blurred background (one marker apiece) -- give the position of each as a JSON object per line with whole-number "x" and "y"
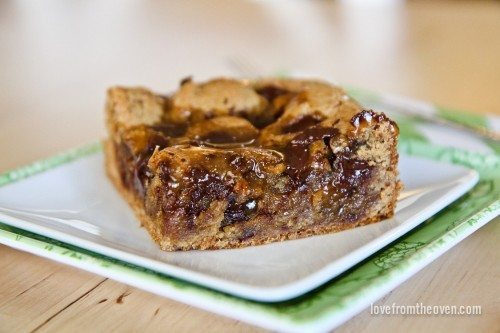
{"x": 58, "y": 57}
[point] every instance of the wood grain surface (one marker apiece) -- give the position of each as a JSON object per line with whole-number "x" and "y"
{"x": 58, "y": 57}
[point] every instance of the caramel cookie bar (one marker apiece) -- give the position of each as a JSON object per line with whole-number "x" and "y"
{"x": 231, "y": 163}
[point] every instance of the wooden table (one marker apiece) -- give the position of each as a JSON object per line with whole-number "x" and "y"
{"x": 58, "y": 57}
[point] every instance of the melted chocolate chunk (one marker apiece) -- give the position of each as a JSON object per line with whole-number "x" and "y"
{"x": 297, "y": 150}
{"x": 141, "y": 172}
{"x": 351, "y": 172}
{"x": 365, "y": 117}
{"x": 167, "y": 194}
{"x": 238, "y": 212}
{"x": 300, "y": 124}
{"x": 124, "y": 156}
{"x": 171, "y": 130}
{"x": 271, "y": 92}
{"x": 134, "y": 171}
{"x": 164, "y": 173}
{"x": 277, "y": 99}
{"x": 206, "y": 187}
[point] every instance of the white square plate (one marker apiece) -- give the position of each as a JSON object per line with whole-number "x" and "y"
{"x": 75, "y": 203}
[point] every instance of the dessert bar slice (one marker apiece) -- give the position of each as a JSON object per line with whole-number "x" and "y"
{"x": 231, "y": 163}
